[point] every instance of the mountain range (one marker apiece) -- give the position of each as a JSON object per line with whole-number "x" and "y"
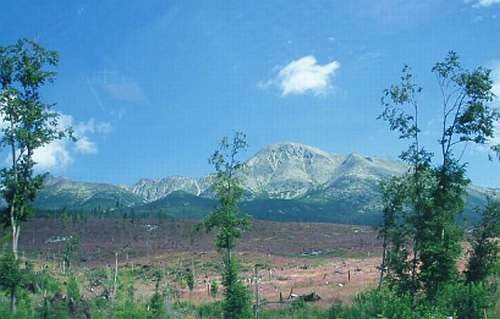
{"x": 287, "y": 181}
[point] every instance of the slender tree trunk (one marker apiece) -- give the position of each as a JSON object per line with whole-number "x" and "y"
{"x": 382, "y": 265}
{"x": 418, "y": 203}
{"x": 13, "y": 221}
{"x": 193, "y": 270}
{"x": 13, "y": 308}
{"x": 14, "y": 236}
{"x": 257, "y": 298}
{"x": 414, "y": 263}
{"x": 115, "y": 279}
{"x": 228, "y": 250}
{"x": 18, "y": 232}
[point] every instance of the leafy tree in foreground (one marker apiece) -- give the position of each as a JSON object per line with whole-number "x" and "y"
{"x": 229, "y": 223}
{"x": 395, "y": 235}
{"x": 422, "y": 221}
{"x": 27, "y": 124}
{"x": 12, "y": 276}
{"x": 485, "y": 248}
{"x": 405, "y": 198}
{"x": 467, "y": 118}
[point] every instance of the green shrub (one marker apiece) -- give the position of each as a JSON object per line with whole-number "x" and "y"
{"x": 73, "y": 289}
{"x": 385, "y": 304}
{"x": 214, "y": 288}
{"x": 130, "y": 310}
{"x": 189, "y": 277}
{"x": 466, "y": 300}
{"x": 212, "y": 310}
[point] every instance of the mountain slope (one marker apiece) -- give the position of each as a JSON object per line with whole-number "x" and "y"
{"x": 59, "y": 193}
{"x": 152, "y": 190}
{"x": 180, "y": 204}
{"x": 287, "y": 181}
{"x": 280, "y": 171}
{"x": 288, "y": 171}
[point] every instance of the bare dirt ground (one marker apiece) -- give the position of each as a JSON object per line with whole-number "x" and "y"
{"x": 100, "y": 237}
{"x": 333, "y": 279}
{"x": 334, "y": 261}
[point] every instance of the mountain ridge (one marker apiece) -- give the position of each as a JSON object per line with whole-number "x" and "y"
{"x": 277, "y": 180}
{"x": 279, "y": 171}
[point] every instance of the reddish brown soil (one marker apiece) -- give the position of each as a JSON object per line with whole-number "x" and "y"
{"x": 326, "y": 276}
{"x": 100, "y": 238}
{"x": 297, "y": 258}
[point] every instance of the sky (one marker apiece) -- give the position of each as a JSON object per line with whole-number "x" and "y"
{"x": 150, "y": 87}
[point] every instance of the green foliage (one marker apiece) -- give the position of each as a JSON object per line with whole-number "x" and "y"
{"x": 11, "y": 274}
{"x": 13, "y": 277}
{"x": 237, "y": 297}
{"x": 189, "y": 276}
{"x": 465, "y": 300}
{"x": 212, "y": 310}
{"x": 156, "y": 306}
{"x": 130, "y": 310}
{"x": 46, "y": 283}
{"x": 73, "y": 289}
{"x": 226, "y": 218}
{"x": 71, "y": 246}
{"x": 485, "y": 247}
{"x": 395, "y": 234}
{"x": 420, "y": 233}
{"x": 383, "y": 303}
{"x": 229, "y": 223}
{"x": 214, "y": 288}
{"x": 29, "y": 124}
{"x": 457, "y": 300}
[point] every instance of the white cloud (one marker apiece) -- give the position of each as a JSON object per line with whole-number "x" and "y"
{"x": 92, "y": 127}
{"x": 53, "y": 155}
{"x": 483, "y": 3}
{"x": 488, "y": 3}
{"x": 303, "y": 76}
{"x": 60, "y": 153}
{"x": 85, "y": 146}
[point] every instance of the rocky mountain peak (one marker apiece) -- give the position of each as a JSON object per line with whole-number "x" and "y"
{"x": 311, "y": 180}
{"x": 283, "y": 170}
{"x": 151, "y": 189}
{"x": 294, "y": 149}
{"x": 288, "y": 170}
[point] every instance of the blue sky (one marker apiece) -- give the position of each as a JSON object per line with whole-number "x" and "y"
{"x": 151, "y": 86}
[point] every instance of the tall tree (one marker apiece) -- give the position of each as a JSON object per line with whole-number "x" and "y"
{"x": 229, "y": 223}
{"x": 405, "y": 198}
{"x": 424, "y": 221}
{"x": 28, "y": 123}
{"x": 467, "y": 117}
